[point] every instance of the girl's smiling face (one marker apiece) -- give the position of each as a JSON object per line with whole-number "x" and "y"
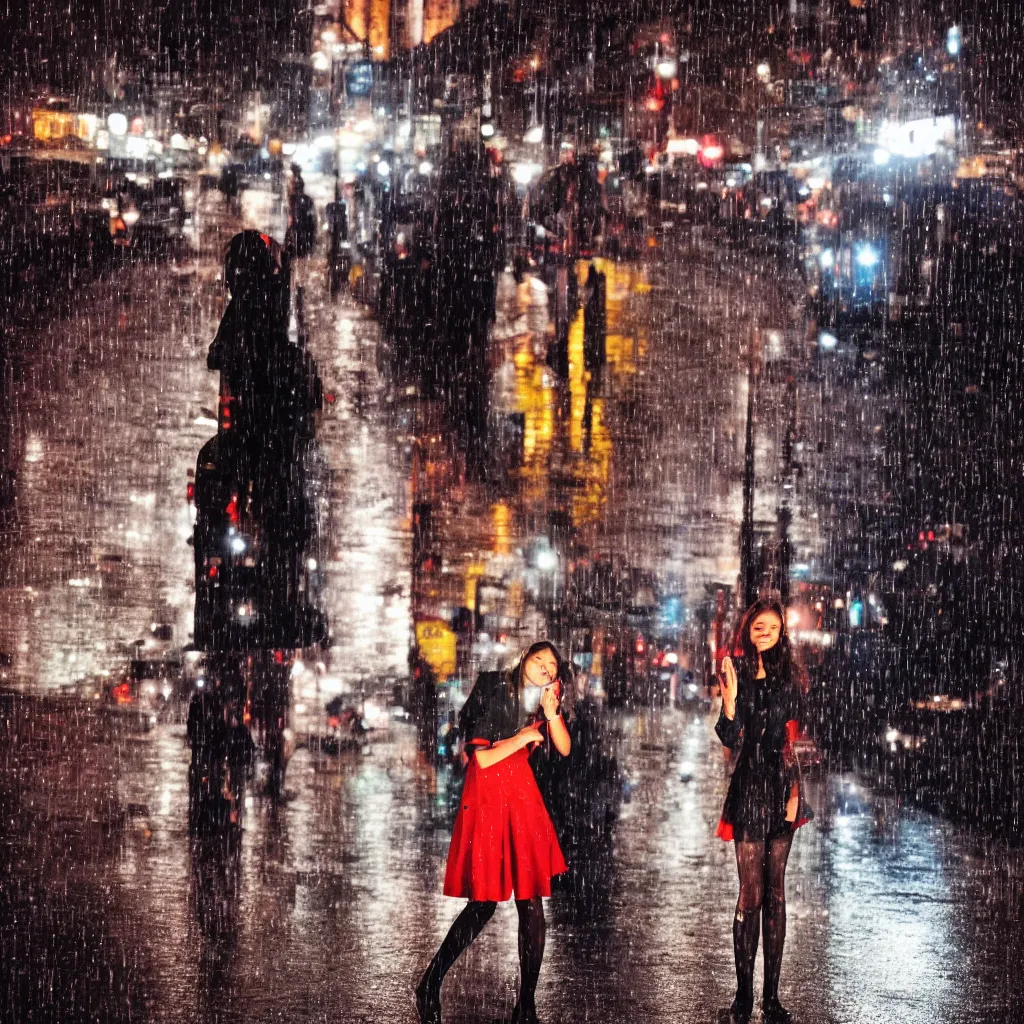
{"x": 765, "y": 630}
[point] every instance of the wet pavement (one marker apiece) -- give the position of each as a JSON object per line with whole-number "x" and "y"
{"x": 332, "y": 904}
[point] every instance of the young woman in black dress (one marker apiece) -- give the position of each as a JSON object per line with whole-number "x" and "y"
{"x": 760, "y": 715}
{"x": 503, "y": 842}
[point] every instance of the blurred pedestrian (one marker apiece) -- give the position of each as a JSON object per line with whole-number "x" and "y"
{"x": 338, "y": 257}
{"x": 595, "y": 323}
{"x": 760, "y": 716}
{"x": 228, "y": 184}
{"x": 503, "y": 843}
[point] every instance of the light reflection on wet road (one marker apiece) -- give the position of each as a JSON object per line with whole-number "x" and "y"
{"x": 333, "y": 903}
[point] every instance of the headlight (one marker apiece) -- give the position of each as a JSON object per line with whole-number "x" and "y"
{"x": 892, "y": 735}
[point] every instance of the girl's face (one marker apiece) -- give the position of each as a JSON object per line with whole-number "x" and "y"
{"x": 541, "y": 669}
{"x": 764, "y": 631}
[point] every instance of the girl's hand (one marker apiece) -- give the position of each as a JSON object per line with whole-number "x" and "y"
{"x": 730, "y": 687}
{"x": 793, "y": 806}
{"x": 549, "y": 702}
{"x": 531, "y": 734}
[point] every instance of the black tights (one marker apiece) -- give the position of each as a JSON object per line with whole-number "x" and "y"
{"x": 468, "y": 925}
{"x": 762, "y": 868}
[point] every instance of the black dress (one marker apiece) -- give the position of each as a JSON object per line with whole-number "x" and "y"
{"x": 766, "y": 723}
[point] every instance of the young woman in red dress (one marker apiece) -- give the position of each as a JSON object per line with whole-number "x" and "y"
{"x": 761, "y": 701}
{"x": 503, "y": 843}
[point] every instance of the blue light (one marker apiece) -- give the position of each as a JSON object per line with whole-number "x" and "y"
{"x": 866, "y": 256}
{"x": 954, "y": 41}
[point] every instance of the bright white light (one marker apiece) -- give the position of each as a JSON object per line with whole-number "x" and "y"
{"x": 881, "y": 157}
{"x": 237, "y": 545}
{"x": 487, "y": 129}
{"x": 311, "y": 564}
{"x": 827, "y": 259}
{"x": 827, "y": 341}
{"x": 954, "y": 41}
{"x": 546, "y": 560}
{"x": 682, "y": 147}
{"x": 178, "y": 141}
{"x": 866, "y": 256}
{"x": 666, "y": 69}
{"x": 692, "y": 687}
{"x": 764, "y": 72}
{"x": 816, "y": 183}
{"x": 426, "y": 167}
{"x": 534, "y": 135}
{"x": 523, "y": 173}
{"x": 117, "y": 123}
{"x": 298, "y": 668}
{"x": 324, "y": 142}
{"x": 383, "y": 168}
{"x": 920, "y": 137}
{"x": 671, "y": 658}
{"x": 288, "y": 148}
{"x": 321, "y": 62}
{"x": 131, "y": 217}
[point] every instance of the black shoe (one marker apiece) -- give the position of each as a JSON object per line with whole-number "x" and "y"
{"x": 775, "y": 1012}
{"x": 740, "y": 1011}
{"x": 521, "y": 1016}
{"x": 428, "y": 1003}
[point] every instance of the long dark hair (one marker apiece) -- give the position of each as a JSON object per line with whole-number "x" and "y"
{"x": 777, "y": 660}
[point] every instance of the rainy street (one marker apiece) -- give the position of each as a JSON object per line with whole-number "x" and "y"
{"x": 509, "y": 512}
{"x": 331, "y": 904}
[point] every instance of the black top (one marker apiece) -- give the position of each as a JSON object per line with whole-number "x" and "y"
{"x": 490, "y": 713}
{"x": 763, "y": 777}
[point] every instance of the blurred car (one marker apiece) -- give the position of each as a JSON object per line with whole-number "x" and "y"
{"x": 147, "y": 213}
{"x": 144, "y": 688}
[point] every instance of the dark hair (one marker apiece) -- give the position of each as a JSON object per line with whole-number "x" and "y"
{"x": 777, "y": 660}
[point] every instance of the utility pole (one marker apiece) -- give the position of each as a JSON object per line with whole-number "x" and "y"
{"x": 748, "y": 581}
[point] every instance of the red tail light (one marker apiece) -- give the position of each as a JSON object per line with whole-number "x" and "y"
{"x": 232, "y": 510}
{"x": 190, "y": 492}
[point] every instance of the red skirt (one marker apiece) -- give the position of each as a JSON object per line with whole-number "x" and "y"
{"x": 503, "y": 841}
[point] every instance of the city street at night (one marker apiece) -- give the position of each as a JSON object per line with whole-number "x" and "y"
{"x": 511, "y": 513}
